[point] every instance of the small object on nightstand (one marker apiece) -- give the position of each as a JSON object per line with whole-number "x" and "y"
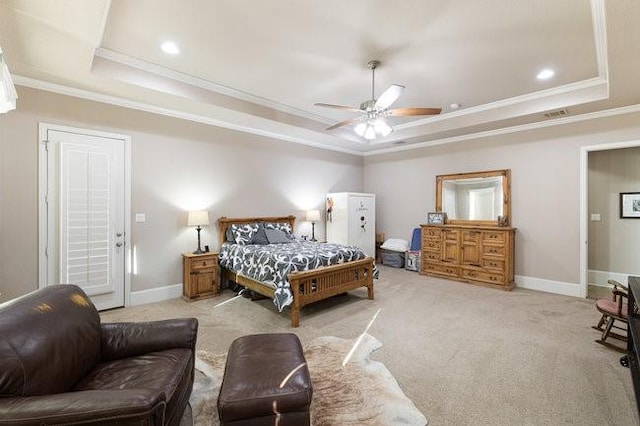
{"x": 199, "y": 275}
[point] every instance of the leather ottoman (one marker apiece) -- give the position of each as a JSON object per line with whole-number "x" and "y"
{"x": 266, "y": 381}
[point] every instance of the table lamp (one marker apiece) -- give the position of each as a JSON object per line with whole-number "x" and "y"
{"x": 198, "y": 219}
{"x": 313, "y": 216}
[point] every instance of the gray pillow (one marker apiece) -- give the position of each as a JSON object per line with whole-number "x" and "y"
{"x": 229, "y": 235}
{"x": 276, "y": 236}
{"x": 279, "y": 225}
{"x": 260, "y": 237}
{"x": 244, "y": 233}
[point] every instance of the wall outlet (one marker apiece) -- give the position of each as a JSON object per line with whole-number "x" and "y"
{"x": 595, "y": 217}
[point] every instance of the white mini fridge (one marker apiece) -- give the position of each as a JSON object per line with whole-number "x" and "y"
{"x": 351, "y": 220}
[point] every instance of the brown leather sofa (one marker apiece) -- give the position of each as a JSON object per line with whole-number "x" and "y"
{"x": 60, "y": 365}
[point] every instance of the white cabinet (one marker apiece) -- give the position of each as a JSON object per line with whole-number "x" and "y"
{"x": 352, "y": 220}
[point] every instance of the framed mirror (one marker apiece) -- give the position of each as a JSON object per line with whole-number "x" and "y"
{"x": 478, "y": 198}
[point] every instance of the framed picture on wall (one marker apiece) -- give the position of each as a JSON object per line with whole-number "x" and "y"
{"x": 630, "y": 205}
{"x": 436, "y": 218}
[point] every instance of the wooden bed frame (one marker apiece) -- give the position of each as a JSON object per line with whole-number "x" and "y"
{"x": 306, "y": 286}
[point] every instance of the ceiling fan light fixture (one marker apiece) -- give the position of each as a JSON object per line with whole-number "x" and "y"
{"x": 360, "y": 129}
{"x": 382, "y": 128}
{"x": 370, "y": 132}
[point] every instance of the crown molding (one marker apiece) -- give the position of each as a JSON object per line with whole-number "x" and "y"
{"x": 201, "y": 83}
{"x": 126, "y": 103}
{"x": 630, "y": 109}
{"x": 141, "y": 106}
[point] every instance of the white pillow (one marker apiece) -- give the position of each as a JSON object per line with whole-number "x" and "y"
{"x": 395, "y": 244}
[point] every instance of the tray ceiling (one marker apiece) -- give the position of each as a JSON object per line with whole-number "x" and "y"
{"x": 259, "y": 67}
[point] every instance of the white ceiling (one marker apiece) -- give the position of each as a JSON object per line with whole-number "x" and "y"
{"x": 259, "y": 66}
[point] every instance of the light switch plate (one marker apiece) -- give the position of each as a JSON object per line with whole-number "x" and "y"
{"x": 140, "y": 217}
{"x": 595, "y": 217}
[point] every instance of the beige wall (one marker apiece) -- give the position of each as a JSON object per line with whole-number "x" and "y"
{"x": 545, "y": 185}
{"x": 614, "y": 243}
{"x": 179, "y": 165}
{"x": 176, "y": 166}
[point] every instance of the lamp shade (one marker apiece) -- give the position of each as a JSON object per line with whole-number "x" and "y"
{"x": 313, "y": 215}
{"x": 198, "y": 218}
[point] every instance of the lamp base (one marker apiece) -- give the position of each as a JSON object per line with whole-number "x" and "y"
{"x": 313, "y": 231}
{"x": 199, "y": 250}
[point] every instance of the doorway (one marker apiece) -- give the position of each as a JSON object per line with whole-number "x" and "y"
{"x": 84, "y": 210}
{"x": 587, "y": 276}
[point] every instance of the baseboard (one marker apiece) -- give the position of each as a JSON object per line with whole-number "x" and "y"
{"x": 600, "y": 278}
{"x": 155, "y": 294}
{"x": 549, "y": 286}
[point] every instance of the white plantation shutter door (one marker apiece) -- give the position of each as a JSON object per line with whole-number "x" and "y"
{"x": 89, "y": 213}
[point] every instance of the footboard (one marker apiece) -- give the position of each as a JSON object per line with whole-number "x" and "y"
{"x": 324, "y": 282}
{"x": 316, "y": 284}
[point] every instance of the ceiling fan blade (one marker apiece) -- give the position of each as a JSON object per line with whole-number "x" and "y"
{"x": 345, "y": 123}
{"x": 398, "y": 112}
{"x": 347, "y": 108}
{"x": 389, "y": 96}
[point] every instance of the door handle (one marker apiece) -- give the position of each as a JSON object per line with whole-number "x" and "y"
{"x": 118, "y": 244}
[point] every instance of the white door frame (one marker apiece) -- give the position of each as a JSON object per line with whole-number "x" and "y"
{"x": 43, "y": 217}
{"x": 584, "y": 205}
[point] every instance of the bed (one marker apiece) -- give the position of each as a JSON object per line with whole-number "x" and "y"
{"x": 296, "y": 288}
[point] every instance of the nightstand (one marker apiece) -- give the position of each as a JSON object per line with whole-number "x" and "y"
{"x": 199, "y": 275}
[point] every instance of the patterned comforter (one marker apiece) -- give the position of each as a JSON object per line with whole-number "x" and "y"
{"x": 271, "y": 263}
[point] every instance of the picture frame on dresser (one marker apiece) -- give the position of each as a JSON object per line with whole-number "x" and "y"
{"x": 436, "y": 218}
{"x": 630, "y": 205}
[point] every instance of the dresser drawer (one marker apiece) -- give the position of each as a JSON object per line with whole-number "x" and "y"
{"x": 493, "y": 250}
{"x": 199, "y": 264}
{"x": 433, "y": 256}
{"x": 434, "y": 268}
{"x": 489, "y": 277}
{"x": 431, "y": 232}
{"x": 431, "y": 244}
{"x": 496, "y": 264}
{"x": 493, "y": 236}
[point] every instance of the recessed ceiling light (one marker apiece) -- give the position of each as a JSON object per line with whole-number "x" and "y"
{"x": 170, "y": 47}
{"x": 545, "y": 74}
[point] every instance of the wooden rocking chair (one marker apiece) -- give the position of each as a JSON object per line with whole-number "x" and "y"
{"x": 613, "y": 309}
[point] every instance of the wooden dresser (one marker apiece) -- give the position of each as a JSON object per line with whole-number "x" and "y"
{"x": 474, "y": 254}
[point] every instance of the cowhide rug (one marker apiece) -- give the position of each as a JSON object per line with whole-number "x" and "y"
{"x": 363, "y": 392}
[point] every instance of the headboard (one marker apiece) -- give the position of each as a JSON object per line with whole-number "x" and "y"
{"x": 225, "y": 222}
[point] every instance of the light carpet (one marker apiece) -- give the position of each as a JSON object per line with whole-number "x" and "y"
{"x": 362, "y": 392}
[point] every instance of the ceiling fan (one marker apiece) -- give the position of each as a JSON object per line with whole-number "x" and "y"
{"x": 373, "y": 121}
